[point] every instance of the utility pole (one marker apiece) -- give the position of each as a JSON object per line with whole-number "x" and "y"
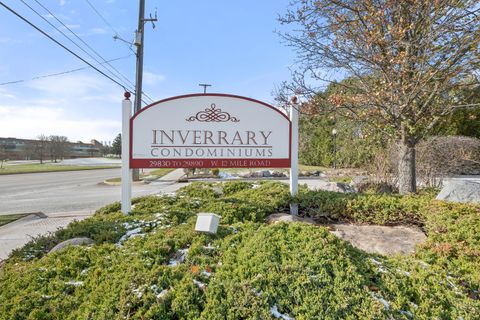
{"x": 139, "y": 37}
{"x": 204, "y": 85}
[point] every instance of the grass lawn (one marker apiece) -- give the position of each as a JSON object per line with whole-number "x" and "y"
{"x": 10, "y": 218}
{"x": 33, "y": 168}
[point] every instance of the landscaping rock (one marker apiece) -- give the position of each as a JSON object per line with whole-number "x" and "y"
{"x": 72, "y": 242}
{"x": 258, "y": 174}
{"x": 370, "y": 238}
{"x": 285, "y": 217}
{"x": 278, "y": 174}
{"x": 460, "y": 191}
{"x": 263, "y": 173}
{"x": 245, "y": 174}
{"x": 335, "y": 187}
{"x": 359, "y": 180}
{"x": 380, "y": 239}
{"x": 304, "y": 173}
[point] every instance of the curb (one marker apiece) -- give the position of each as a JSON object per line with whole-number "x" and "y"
{"x": 73, "y": 170}
{"x": 105, "y": 182}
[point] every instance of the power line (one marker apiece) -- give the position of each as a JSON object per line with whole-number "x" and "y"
{"x": 114, "y": 30}
{"x": 109, "y": 25}
{"x": 101, "y": 17}
{"x": 59, "y": 73}
{"x": 75, "y": 43}
{"x": 61, "y": 45}
{"x": 79, "y": 38}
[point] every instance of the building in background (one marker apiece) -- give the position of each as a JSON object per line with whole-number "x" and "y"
{"x": 25, "y": 149}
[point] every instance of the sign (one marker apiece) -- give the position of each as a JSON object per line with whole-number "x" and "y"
{"x": 210, "y": 131}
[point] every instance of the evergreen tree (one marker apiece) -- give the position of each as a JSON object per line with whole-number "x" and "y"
{"x": 117, "y": 145}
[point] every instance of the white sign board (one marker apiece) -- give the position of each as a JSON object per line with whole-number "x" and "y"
{"x": 210, "y": 131}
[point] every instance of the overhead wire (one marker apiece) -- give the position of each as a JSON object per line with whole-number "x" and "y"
{"x": 59, "y": 73}
{"x": 61, "y": 45}
{"x": 18, "y": 15}
{"x": 76, "y": 44}
{"x": 114, "y": 30}
{"x": 85, "y": 43}
{"x": 106, "y": 22}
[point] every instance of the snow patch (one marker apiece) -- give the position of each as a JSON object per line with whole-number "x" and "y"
{"x": 74, "y": 283}
{"x": 274, "y": 311}
{"x": 407, "y": 313}
{"x": 226, "y": 175}
{"x": 138, "y": 292}
{"x": 380, "y": 299}
{"x": 158, "y": 292}
{"x": 380, "y": 266}
{"x": 209, "y": 247}
{"x": 129, "y": 234}
{"x": 199, "y": 284}
{"x": 178, "y": 258}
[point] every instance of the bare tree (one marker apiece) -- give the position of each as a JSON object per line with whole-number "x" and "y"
{"x": 406, "y": 61}
{"x": 57, "y": 147}
{"x": 3, "y": 153}
{"x": 41, "y": 147}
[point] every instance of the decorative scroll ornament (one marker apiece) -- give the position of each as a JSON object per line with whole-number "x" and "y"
{"x": 213, "y": 114}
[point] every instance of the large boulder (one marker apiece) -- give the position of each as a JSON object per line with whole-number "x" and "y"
{"x": 333, "y": 186}
{"x": 72, "y": 242}
{"x": 384, "y": 240}
{"x": 460, "y": 191}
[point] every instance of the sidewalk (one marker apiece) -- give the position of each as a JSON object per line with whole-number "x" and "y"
{"x": 16, "y": 234}
{"x": 173, "y": 176}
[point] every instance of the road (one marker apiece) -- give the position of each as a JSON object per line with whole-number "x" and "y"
{"x": 55, "y": 192}
{"x": 62, "y": 197}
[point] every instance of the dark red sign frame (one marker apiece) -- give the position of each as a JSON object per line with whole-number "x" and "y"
{"x": 211, "y": 163}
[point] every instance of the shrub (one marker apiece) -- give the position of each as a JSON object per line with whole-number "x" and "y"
{"x": 381, "y": 209}
{"x": 249, "y": 269}
{"x": 215, "y": 172}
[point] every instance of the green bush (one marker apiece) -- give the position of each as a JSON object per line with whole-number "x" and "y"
{"x": 454, "y": 242}
{"x": 381, "y": 209}
{"x": 248, "y": 268}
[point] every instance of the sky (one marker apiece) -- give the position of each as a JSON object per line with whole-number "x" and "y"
{"x": 229, "y": 44}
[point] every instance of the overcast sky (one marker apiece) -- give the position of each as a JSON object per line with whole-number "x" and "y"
{"x": 229, "y": 44}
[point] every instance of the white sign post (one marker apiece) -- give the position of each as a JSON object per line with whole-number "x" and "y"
{"x": 126, "y": 171}
{"x": 294, "y": 154}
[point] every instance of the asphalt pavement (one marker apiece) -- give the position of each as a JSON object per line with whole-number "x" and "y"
{"x": 65, "y": 191}
{"x": 62, "y": 197}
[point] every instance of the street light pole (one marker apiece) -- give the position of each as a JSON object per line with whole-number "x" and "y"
{"x": 204, "y": 85}
{"x": 334, "y": 134}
